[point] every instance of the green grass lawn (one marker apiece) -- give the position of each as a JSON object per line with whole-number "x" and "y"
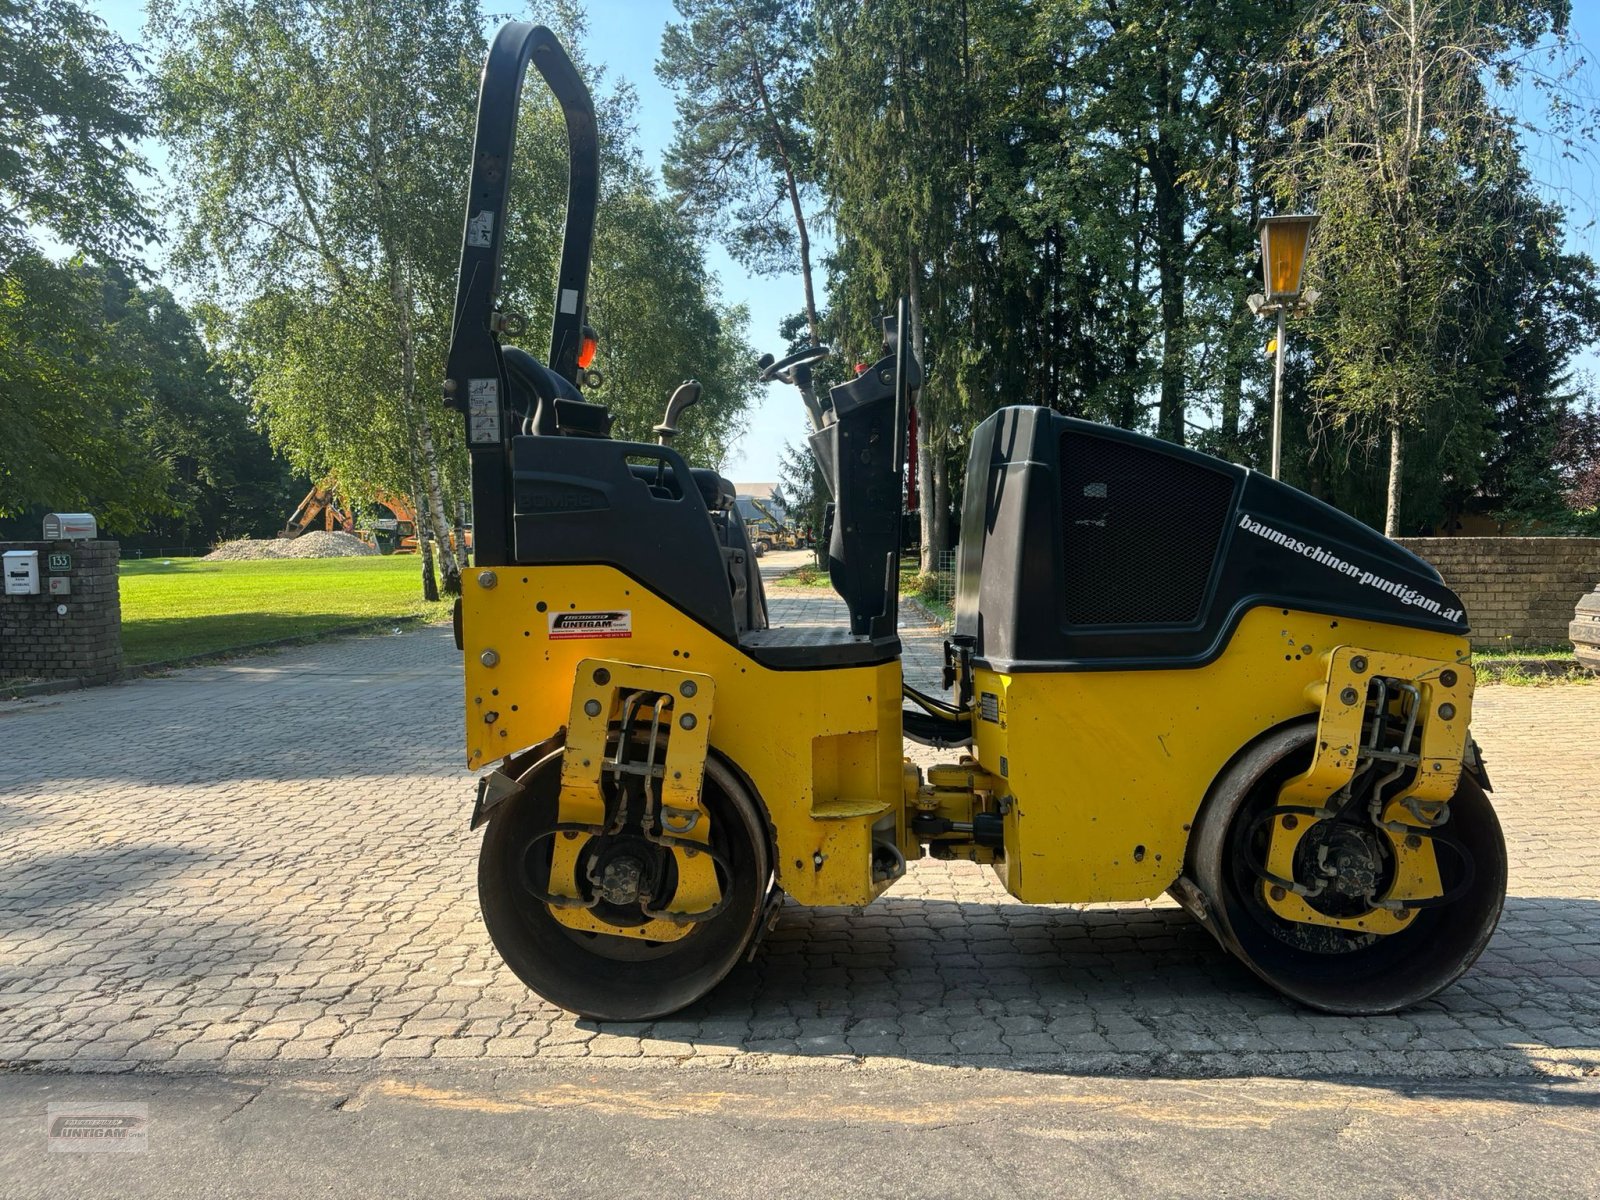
{"x": 173, "y": 608}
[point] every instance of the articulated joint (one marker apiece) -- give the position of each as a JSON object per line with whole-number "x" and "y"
{"x": 956, "y": 812}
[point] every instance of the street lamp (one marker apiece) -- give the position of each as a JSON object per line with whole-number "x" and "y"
{"x": 1283, "y": 257}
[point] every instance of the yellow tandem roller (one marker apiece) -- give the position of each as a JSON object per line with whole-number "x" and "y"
{"x": 1169, "y": 674}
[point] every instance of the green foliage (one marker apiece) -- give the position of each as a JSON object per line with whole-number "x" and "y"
{"x": 65, "y": 384}
{"x": 317, "y": 140}
{"x": 891, "y": 117}
{"x": 192, "y": 420}
{"x": 1447, "y": 306}
{"x": 320, "y": 370}
{"x": 327, "y": 154}
{"x": 1070, "y": 189}
{"x": 741, "y": 156}
{"x": 322, "y": 153}
{"x": 71, "y": 110}
{"x": 652, "y": 299}
{"x": 114, "y": 405}
{"x": 805, "y": 493}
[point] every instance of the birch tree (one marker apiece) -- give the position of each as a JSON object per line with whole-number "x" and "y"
{"x": 319, "y": 151}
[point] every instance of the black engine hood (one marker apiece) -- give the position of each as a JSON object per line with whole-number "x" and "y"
{"x": 1085, "y": 545}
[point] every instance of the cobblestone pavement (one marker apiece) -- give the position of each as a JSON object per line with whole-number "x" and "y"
{"x": 266, "y": 865}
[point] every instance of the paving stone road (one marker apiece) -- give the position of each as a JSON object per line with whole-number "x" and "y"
{"x": 266, "y": 865}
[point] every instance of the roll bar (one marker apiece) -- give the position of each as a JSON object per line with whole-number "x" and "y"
{"x": 475, "y": 378}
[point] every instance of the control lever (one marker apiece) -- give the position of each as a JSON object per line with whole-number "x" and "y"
{"x": 684, "y": 395}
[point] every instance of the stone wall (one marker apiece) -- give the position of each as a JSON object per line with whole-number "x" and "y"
{"x": 38, "y": 640}
{"x": 1518, "y": 591}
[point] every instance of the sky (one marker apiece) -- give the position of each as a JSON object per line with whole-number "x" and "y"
{"x": 626, "y": 36}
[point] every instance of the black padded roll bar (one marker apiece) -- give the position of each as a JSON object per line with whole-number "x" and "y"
{"x": 475, "y": 379}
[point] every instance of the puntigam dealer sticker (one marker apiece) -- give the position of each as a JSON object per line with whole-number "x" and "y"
{"x": 567, "y": 626}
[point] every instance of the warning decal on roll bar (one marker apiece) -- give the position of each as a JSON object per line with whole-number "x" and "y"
{"x": 572, "y": 625}
{"x": 483, "y": 411}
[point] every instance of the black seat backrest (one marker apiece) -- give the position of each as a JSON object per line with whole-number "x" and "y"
{"x": 532, "y": 381}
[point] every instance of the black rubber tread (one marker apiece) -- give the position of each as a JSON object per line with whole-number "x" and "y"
{"x": 552, "y": 959}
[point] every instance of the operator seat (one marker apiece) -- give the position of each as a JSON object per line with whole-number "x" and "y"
{"x": 533, "y": 383}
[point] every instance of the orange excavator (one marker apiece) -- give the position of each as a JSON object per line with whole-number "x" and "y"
{"x": 392, "y": 528}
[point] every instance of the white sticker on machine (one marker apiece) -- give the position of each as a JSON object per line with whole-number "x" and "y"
{"x": 480, "y": 229}
{"x": 570, "y": 625}
{"x": 483, "y": 411}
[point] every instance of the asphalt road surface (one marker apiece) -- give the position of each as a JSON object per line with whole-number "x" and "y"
{"x": 930, "y": 1132}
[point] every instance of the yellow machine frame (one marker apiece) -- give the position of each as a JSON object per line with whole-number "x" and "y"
{"x": 1098, "y": 775}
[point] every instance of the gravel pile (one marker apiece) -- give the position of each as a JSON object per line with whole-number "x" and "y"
{"x": 325, "y": 545}
{"x": 318, "y": 544}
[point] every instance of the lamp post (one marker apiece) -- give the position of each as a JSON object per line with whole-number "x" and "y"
{"x": 1283, "y": 258}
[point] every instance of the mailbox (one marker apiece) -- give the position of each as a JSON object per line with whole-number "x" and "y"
{"x": 61, "y": 527}
{"x": 22, "y": 572}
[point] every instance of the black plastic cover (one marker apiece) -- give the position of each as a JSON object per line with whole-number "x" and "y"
{"x": 577, "y": 500}
{"x": 1085, "y": 546}
{"x": 580, "y": 500}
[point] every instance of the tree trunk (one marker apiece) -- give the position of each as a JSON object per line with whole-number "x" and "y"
{"x": 430, "y": 465}
{"x": 803, "y": 245}
{"x": 1391, "y": 519}
{"x": 1239, "y": 339}
{"x": 400, "y": 290}
{"x": 1169, "y": 269}
{"x": 1129, "y": 409}
{"x": 430, "y": 587}
{"x": 941, "y": 505}
{"x": 802, "y": 238}
{"x": 1166, "y": 193}
{"x": 463, "y": 554}
{"x": 925, "y": 428}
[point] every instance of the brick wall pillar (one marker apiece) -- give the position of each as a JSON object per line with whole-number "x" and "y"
{"x": 75, "y": 634}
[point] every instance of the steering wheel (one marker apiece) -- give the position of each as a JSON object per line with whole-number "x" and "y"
{"x": 783, "y": 369}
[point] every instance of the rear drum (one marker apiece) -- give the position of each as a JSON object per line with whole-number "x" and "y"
{"x": 613, "y": 977}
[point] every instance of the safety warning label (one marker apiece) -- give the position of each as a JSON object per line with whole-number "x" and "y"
{"x": 483, "y": 411}
{"x": 569, "y": 625}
